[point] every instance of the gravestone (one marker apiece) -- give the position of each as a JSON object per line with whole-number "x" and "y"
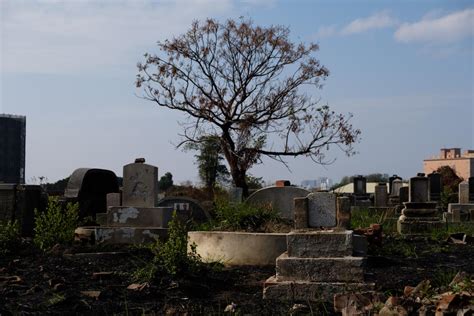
{"x": 140, "y": 185}
{"x": 360, "y": 185}
{"x": 404, "y": 195}
{"x": 113, "y": 199}
{"x": 464, "y": 192}
{"x": 343, "y": 213}
{"x": 396, "y": 185}
{"x": 321, "y": 209}
{"x": 279, "y": 198}
{"x": 380, "y": 195}
{"x": 186, "y": 208}
{"x": 300, "y": 210}
{"x": 419, "y": 215}
{"x": 391, "y": 189}
{"x": 435, "y": 186}
{"x": 471, "y": 189}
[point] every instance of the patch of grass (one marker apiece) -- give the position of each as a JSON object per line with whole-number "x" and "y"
{"x": 56, "y": 225}
{"x": 453, "y": 228}
{"x": 243, "y": 217}
{"x": 9, "y": 236}
{"x": 397, "y": 247}
{"x": 363, "y": 218}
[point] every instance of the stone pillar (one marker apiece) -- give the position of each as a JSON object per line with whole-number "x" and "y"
{"x": 360, "y": 185}
{"x": 471, "y": 189}
{"x": 140, "y": 185}
{"x": 435, "y": 186}
{"x": 300, "y": 208}
{"x": 381, "y": 196}
{"x": 343, "y": 212}
{"x": 419, "y": 189}
{"x": 464, "y": 192}
{"x": 396, "y": 185}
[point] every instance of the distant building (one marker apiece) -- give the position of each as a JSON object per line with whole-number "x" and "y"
{"x": 12, "y": 148}
{"x": 462, "y": 164}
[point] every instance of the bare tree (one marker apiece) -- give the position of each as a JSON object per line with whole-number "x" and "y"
{"x": 250, "y": 86}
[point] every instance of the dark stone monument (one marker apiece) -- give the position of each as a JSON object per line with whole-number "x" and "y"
{"x": 89, "y": 187}
{"x": 435, "y": 186}
{"x": 419, "y": 215}
{"x": 360, "y": 196}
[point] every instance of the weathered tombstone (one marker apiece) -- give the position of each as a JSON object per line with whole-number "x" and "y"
{"x": 419, "y": 215}
{"x": 300, "y": 209}
{"x": 321, "y": 209}
{"x": 396, "y": 185}
{"x": 464, "y": 192}
{"x": 186, "y": 208}
{"x": 391, "y": 190}
{"x": 113, "y": 199}
{"x": 140, "y": 185}
{"x": 381, "y": 195}
{"x": 471, "y": 189}
{"x": 280, "y": 199}
{"x": 419, "y": 189}
{"x": 360, "y": 185}
{"x": 235, "y": 194}
{"x": 435, "y": 186}
{"x": 343, "y": 212}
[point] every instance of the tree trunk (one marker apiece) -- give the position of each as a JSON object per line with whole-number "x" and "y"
{"x": 238, "y": 176}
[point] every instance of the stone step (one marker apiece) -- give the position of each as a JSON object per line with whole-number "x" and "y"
{"x": 343, "y": 269}
{"x": 309, "y": 291}
{"x": 325, "y": 243}
{"x": 127, "y": 216}
{"x": 120, "y": 235}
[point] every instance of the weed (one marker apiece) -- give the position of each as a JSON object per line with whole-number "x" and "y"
{"x": 55, "y": 225}
{"x": 9, "y": 236}
{"x": 363, "y": 218}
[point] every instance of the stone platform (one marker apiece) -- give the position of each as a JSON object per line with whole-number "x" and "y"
{"x": 126, "y": 216}
{"x": 120, "y": 235}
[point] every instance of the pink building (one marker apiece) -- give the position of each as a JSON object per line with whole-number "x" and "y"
{"x": 463, "y": 163}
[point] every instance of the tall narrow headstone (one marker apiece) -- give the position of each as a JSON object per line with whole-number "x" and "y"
{"x": 404, "y": 195}
{"x": 390, "y": 184}
{"x": 419, "y": 189}
{"x": 300, "y": 209}
{"x": 464, "y": 192}
{"x": 140, "y": 185}
{"x": 360, "y": 185}
{"x": 381, "y": 196}
{"x": 471, "y": 189}
{"x": 343, "y": 212}
{"x": 435, "y": 186}
{"x": 396, "y": 185}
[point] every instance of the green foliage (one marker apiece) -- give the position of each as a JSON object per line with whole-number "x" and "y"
{"x": 58, "y": 186}
{"x": 242, "y": 216}
{"x": 56, "y": 225}
{"x": 9, "y": 236}
{"x": 363, "y": 218}
{"x": 254, "y": 183}
{"x": 166, "y": 181}
{"x": 171, "y": 257}
{"x": 449, "y": 178}
{"x": 452, "y": 228}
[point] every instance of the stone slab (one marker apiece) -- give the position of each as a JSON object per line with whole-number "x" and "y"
{"x": 309, "y": 291}
{"x": 321, "y": 209}
{"x": 122, "y": 216}
{"x": 323, "y": 243}
{"x": 343, "y": 269}
{"x": 113, "y": 199}
{"x": 463, "y": 208}
{"x": 418, "y": 225}
{"x": 122, "y": 235}
{"x": 140, "y": 185}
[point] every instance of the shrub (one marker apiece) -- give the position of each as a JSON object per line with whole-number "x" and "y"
{"x": 56, "y": 225}
{"x": 9, "y": 236}
{"x": 171, "y": 257}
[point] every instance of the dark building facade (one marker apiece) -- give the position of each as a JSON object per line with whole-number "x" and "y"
{"x": 12, "y": 148}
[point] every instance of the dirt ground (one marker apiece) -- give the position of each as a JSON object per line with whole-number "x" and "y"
{"x": 35, "y": 283}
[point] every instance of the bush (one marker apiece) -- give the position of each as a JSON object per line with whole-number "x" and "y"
{"x": 243, "y": 216}
{"x": 56, "y": 225}
{"x": 9, "y": 236}
{"x": 171, "y": 257}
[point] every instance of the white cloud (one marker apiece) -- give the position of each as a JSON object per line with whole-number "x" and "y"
{"x": 50, "y": 36}
{"x": 326, "y": 31}
{"x": 378, "y": 20}
{"x": 447, "y": 28}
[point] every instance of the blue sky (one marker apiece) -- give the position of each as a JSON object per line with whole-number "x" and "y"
{"x": 404, "y": 69}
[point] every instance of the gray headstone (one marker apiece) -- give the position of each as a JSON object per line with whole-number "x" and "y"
{"x": 321, "y": 209}
{"x": 140, "y": 185}
{"x": 381, "y": 195}
{"x": 280, "y": 198}
{"x": 186, "y": 208}
{"x": 464, "y": 192}
{"x": 391, "y": 190}
{"x": 113, "y": 199}
{"x": 419, "y": 189}
{"x": 235, "y": 194}
{"x": 396, "y": 185}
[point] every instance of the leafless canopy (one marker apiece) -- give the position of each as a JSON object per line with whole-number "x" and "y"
{"x": 251, "y": 87}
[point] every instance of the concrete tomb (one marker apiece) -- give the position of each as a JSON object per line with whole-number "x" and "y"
{"x": 280, "y": 198}
{"x": 419, "y": 215}
{"x": 460, "y": 212}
